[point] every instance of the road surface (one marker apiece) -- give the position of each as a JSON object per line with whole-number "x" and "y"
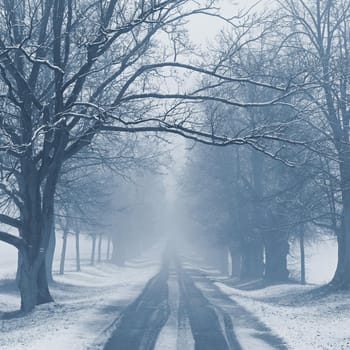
{"x": 182, "y": 309}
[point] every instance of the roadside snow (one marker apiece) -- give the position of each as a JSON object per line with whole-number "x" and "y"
{"x": 86, "y": 303}
{"x": 295, "y": 314}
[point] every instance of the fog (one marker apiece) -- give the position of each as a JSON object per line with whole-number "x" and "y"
{"x": 174, "y": 174}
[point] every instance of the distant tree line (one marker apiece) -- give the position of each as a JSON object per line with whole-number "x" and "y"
{"x": 257, "y": 197}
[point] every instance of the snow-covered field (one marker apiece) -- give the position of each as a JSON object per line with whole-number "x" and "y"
{"x": 303, "y": 316}
{"x": 86, "y": 303}
{"x": 303, "y": 320}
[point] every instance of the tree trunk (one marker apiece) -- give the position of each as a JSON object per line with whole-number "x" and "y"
{"x": 28, "y": 286}
{"x": 276, "y": 252}
{"x": 99, "y": 251}
{"x": 32, "y": 281}
{"x": 63, "y": 252}
{"x": 44, "y": 295}
{"x": 93, "y": 249}
{"x": 235, "y": 261}
{"x": 302, "y": 255}
{"x": 118, "y": 253}
{"x": 33, "y": 284}
{"x": 340, "y": 276}
{"x": 19, "y": 263}
{"x": 341, "y": 279}
{"x": 108, "y": 247}
{"x": 77, "y": 250}
{"x": 252, "y": 264}
{"x": 225, "y": 261}
{"x": 50, "y": 253}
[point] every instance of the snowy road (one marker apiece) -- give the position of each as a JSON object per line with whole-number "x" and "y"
{"x": 181, "y": 308}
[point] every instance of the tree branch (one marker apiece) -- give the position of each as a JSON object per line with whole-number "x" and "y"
{"x": 17, "y": 242}
{"x": 5, "y": 219}
{"x": 201, "y": 98}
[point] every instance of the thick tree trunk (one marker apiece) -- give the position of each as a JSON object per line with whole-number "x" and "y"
{"x": 77, "y": 250}
{"x": 63, "y": 252}
{"x": 37, "y": 215}
{"x": 28, "y": 287}
{"x": 252, "y": 264}
{"x": 93, "y": 249}
{"x": 99, "y": 250}
{"x": 44, "y": 295}
{"x": 32, "y": 274}
{"x": 276, "y": 252}
{"x": 33, "y": 284}
{"x": 341, "y": 279}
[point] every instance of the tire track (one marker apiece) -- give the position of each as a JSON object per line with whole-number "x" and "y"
{"x": 141, "y": 322}
{"x": 204, "y": 318}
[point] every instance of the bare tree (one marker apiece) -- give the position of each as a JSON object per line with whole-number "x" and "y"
{"x": 320, "y": 32}
{"x": 73, "y": 69}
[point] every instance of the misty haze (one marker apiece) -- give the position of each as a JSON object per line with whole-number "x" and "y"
{"x": 174, "y": 174}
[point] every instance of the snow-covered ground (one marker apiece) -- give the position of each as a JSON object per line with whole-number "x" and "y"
{"x": 301, "y": 315}
{"x": 304, "y": 317}
{"x": 293, "y": 312}
{"x": 86, "y": 303}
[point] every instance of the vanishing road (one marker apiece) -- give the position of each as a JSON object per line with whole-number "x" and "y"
{"x": 182, "y": 309}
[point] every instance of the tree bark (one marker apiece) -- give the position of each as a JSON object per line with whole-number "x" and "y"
{"x": 341, "y": 278}
{"x": 44, "y": 295}
{"x": 253, "y": 248}
{"x": 276, "y": 252}
{"x": 252, "y": 265}
{"x": 37, "y": 228}
{"x": 37, "y": 214}
{"x": 33, "y": 284}
{"x": 28, "y": 286}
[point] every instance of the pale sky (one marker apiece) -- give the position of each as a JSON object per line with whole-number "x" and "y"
{"x": 205, "y": 28}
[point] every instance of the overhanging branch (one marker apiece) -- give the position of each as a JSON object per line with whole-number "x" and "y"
{"x": 201, "y": 98}
{"x": 17, "y": 242}
{"x": 5, "y": 219}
